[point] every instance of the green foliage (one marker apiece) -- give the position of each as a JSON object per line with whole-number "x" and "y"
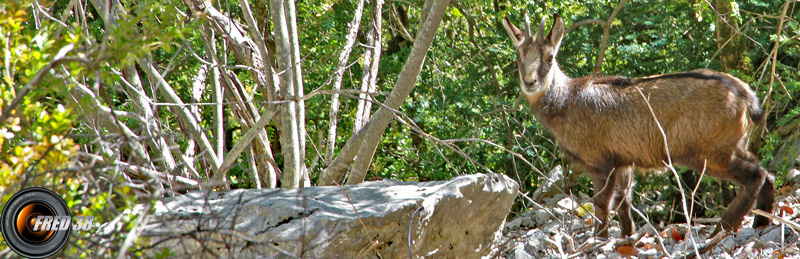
{"x": 41, "y": 139}
{"x": 33, "y": 137}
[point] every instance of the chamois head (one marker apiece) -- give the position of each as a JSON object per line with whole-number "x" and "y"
{"x": 536, "y": 56}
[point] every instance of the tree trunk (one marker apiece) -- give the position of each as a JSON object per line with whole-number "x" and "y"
{"x": 305, "y": 180}
{"x": 733, "y": 49}
{"x": 292, "y": 113}
{"x": 372, "y": 61}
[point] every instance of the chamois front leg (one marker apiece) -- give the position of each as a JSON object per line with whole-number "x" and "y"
{"x": 622, "y": 200}
{"x": 604, "y": 186}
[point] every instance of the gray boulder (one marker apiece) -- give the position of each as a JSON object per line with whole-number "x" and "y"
{"x": 459, "y": 218}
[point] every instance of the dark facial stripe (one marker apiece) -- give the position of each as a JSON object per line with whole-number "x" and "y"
{"x": 544, "y": 68}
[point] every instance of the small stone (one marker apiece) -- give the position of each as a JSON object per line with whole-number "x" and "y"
{"x": 551, "y": 227}
{"x": 583, "y": 196}
{"x": 650, "y": 253}
{"x": 793, "y": 174}
{"x": 723, "y": 256}
{"x": 551, "y": 202}
{"x": 745, "y": 233}
{"x": 542, "y": 216}
{"x": 727, "y": 244}
{"x": 576, "y": 225}
{"x": 528, "y": 213}
{"x": 646, "y": 229}
{"x": 582, "y": 236}
{"x": 773, "y": 236}
{"x": 535, "y": 241}
{"x": 537, "y": 233}
{"x": 550, "y": 185}
{"x": 717, "y": 250}
{"x": 768, "y": 250}
{"x": 568, "y": 204}
{"x": 526, "y": 222}
{"x": 519, "y": 252}
{"x": 559, "y": 212}
{"x": 614, "y": 231}
{"x": 514, "y": 223}
{"x": 608, "y": 247}
{"x": 615, "y": 255}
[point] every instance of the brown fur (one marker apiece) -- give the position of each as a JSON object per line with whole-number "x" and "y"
{"x": 604, "y": 126}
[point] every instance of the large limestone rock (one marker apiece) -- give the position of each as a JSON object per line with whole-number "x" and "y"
{"x": 459, "y": 218}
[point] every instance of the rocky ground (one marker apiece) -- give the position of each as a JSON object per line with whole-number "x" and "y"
{"x": 562, "y": 227}
{"x": 459, "y": 218}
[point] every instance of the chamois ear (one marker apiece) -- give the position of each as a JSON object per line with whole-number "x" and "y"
{"x": 557, "y": 32}
{"x": 517, "y": 36}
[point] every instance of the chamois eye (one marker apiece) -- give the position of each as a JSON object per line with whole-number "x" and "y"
{"x": 550, "y": 57}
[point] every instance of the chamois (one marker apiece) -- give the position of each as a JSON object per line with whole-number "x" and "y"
{"x": 604, "y": 126}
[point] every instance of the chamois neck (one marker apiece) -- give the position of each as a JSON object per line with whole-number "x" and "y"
{"x": 557, "y": 85}
{"x": 558, "y": 80}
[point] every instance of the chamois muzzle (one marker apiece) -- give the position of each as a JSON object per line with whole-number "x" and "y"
{"x": 530, "y": 86}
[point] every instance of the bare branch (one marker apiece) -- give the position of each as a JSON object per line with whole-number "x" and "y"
{"x": 371, "y": 63}
{"x": 402, "y": 30}
{"x": 782, "y": 220}
{"x": 601, "y": 53}
{"x": 217, "y": 95}
{"x": 152, "y": 129}
{"x": 774, "y": 52}
{"x": 243, "y": 143}
{"x": 350, "y": 39}
{"x": 578, "y": 24}
{"x": 182, "y": 112}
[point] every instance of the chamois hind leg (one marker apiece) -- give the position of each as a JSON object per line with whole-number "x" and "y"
{"x": 604, "y": 185}
{"x": 750, "y": 176}
{"x": 766, "y": 195}
{"x": 622, "y": 199}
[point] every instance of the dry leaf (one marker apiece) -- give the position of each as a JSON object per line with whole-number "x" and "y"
{"x": 786, "y": 210}
{"x": 627, "y": 251}
{"x": 676, "y": 235}
{"x": 778, "y": 254}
